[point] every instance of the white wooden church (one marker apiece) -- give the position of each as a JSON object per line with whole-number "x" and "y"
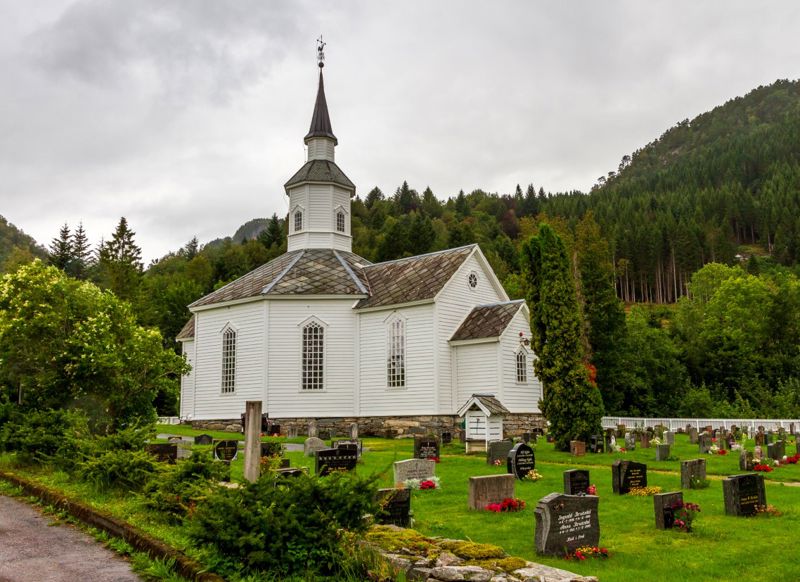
{"x": 321, "y": 333}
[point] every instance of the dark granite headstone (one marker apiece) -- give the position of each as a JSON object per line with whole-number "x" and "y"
{"x": 791, "y": 429}
{"x": 576, "y": 482}
{"x": 565, "y": 523}
{"x": 744, "y": 494}
{"x": 203, "y": 439}
{"x": 746, "y": 462}
{"x": 596, "y": 443}
{"x": 324, "y": 434}
{"x": 164, "y": 453}
{"x": 447, "y": 437}
{"x": 271, "y": 449}
{"x": 520, "y": 460}
{"x": 226, "y": 450}
{"x": 498, "y": 451}
{"x": 662, "y": 452}
{"x": 349, "y": 444}
{"x": 395, "y": 507}
{"x": 662, "y": 506}
{"x": 289, "y": 472}
{"x": 329, "y": 460}
{"x": 627, "y": 475}
{"x": 426, "y": 447}
{"x": 694, "y": 469}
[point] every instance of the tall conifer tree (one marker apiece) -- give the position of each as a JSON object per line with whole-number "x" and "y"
{"x": 61, "y": 248}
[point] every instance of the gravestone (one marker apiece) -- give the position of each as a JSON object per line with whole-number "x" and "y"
{"x": 694, "y": 469}
{"x": 271, "y": 449}
{"x": 693, "y": 435}
{"x": 662, "y": 506}
{"x": 722, "y": 441}
{"x": 414, "y": 469}
{"x": 289, "y": 472}
{"x": 758, "y": 452}
{"x": 746, "y": 462}
{"x": 164, "y": 453}
{"x": 760, "y": 438}
{"x": 349, "y": 444}
{"x": 791, "y": 429}
{"x": 662, "y": 452}
{"x": 520, "y": 460}
{"x": 312, "y": 445}
{"x": 486, "y": 489}
{"x": 426, "y": 447}
{"x": 772, "y": 451}
{"x": 596, "y": 443}
{"x": 447, "y": 437}
{"x": 203, "y": 439}
{"x": 612, "y": 442}
{"x": 565, "y": 523}
{"x": 395, "y": 507}
{"x": 577, "y": 448}
{"x": 627, "y": 475}
{"x": 769, "y": 437}
{"x": 744, "y": 494}
{"x": 630, "y": 442}
{"x": 324, "y": 434}
{"x": 779, "y": 449}
{"x": 291, "y": 432}
{"x": 645, "y": 440}
{"x": 312, "y": 428}
{"x": 174, "y": 439}
{"x": 329, "y": 460}
{"x": 497, "y": 451}
{"x": 526, "y": 437}
{"x": 704, "y": 443}
{"x": 621, "y": 431}
{"x": 576, "y": 482}
{"x": 669, "y": 438}
{"x": 226, "y": 450}
{"x": 354, "y": 431}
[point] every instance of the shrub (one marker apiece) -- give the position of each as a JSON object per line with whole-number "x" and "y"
{"x": 47, "y": 436}
{"x": 119, "y": 469}
{"x": 176, "y": 491}
{"x": 284, "y": 525}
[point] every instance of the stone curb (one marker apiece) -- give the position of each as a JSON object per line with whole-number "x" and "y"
{"x": 143, "y": 542}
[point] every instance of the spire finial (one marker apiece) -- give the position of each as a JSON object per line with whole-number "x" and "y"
{"x": 320, "y": 52}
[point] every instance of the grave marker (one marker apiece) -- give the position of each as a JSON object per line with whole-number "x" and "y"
{"x": 744, "y": 494}
{"x": 203, "y": 439}
{"x": 271, "y": 449}
{"x": 520, "y": 460}
{"x": 447, "y": 437}
{"x": 497, "y": 451}
{"x": 577, "y": 448}
{"x": 646, "y": 440}
{"x": 596, "y": 443}
{"x": 662, "y": 452}
{"x": 662, "y": 506}
{"x": 693, "y": 436}
{"x": 312, "y": 428}
{"x": 313, "y": 444}
{"x": 414, "y": 469}
{"x": 746, "y": 462}
{"x": 576, "y": 482}
{"x": 330, "y": 460}
{"x": 486, "y": 489}
{"x": 627, "y": 475}
{"x": 694, "y": 469}
{"x": 395, "y": 507}
{"x": 354, "y": 431}
{"x": 669, "y": 438}
{"x": 630, "y": 441}
{"x": 349, "y": 444}
{"x": 704, "y": 443}
{"x": 226, "y": 450}
{"x": 164, "y": 453}
{"x": 565, "y": 523}
{"x": 291, "y": 432}
{"x": 426, "y": 447}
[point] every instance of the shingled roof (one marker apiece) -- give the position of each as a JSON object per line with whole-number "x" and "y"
{"x": 487, "y": 321}
{"x": 187, "y": 331}
{"x": 303, "y": 272}
{"x": 320, "y": 120}
{"x": 320, "y": 171}
{"x": 413, "y": 278}
{"x": 486, "y": 402}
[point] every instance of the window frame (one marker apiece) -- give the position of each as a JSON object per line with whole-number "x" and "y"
{"x": 297, "y": 214}
{"x": 521, "y": 357}
{"x": 396, "y": 380}
{"x": 230, "y": 340}
{"x": 339, "y": 215}
{"x": 320, "y": 384}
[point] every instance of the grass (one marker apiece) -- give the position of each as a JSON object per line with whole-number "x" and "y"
{"x": 720, "y": 548}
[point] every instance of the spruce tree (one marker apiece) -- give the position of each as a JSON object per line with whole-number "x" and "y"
{"x": 81, "y": 254}
{"x": 119, "y": 262}
{"x": 61, "y": 248}
{"x": 571, "y": 403}
{"x": 273, "y": 234}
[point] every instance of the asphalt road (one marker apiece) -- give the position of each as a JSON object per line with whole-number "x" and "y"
{"x": 31, "y": 550}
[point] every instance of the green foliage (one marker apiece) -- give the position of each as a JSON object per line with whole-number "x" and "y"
{"x": 177, "y": 490}
{"x": 285, "y": 526}
{"x": 119, "y": 263}
{"x": 119, "y": 469}
{"x": 16, "y": 247}
{"x": 44, "y": 437}
{"x": 64, "y": 342}
{"x": 571, "y": 404}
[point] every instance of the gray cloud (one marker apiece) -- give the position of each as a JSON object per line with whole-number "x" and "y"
{"x": 187, "y": 117}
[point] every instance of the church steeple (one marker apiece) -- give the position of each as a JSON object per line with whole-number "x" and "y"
{"x": 319, "y": 192}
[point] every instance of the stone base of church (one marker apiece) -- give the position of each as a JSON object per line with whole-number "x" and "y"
{"x": 381, "y": 426}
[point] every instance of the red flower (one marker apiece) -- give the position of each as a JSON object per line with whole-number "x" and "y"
{"x": 427, "y": 484}
{"x": 763, "y": 468}
{"x": 722, "y": 452}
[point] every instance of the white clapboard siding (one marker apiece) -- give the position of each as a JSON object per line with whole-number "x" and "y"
{"x": 419, "y": 395}
{"x": 518, "y": 397}
{"x": 321, "y": 149}
{"x": 454, "y": 303}
{"x": 248, "y": 321}
{"x": 477, "y": 370}
{"x": 187, "y": 382}
{"x": 285, "y": 398}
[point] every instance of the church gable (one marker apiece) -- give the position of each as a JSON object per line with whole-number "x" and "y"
{"x": 487, "y": 321}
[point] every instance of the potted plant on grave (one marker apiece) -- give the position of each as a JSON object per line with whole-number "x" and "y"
{"x": 684, "y": 513}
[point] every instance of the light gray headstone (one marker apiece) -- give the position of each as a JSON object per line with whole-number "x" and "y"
{"x": 486, "y": 489}
{"x": 414, "y": 469}
{"x": 312, "y": 445}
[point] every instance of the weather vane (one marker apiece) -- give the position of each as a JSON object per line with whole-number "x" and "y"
{"x": 320, "y": 52}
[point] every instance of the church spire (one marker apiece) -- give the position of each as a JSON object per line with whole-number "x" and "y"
{"x": 321, "y": 121}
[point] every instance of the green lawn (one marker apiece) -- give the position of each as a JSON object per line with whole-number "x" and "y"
{"x": 721, "y": 547}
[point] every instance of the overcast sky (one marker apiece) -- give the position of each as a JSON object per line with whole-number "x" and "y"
{"x": 187, "y": 117}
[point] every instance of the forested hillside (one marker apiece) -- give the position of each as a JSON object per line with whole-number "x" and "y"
{"x": 16, "y": 247}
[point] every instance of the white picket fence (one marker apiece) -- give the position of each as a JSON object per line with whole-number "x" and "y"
{"x": 169, "y": 420}
{"x": 676, "y": 423}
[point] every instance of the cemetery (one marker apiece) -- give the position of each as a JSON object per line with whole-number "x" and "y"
{"x": 743, "y": 511}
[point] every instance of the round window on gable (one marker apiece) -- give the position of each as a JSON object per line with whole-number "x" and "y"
{"x": 473, "y": 280}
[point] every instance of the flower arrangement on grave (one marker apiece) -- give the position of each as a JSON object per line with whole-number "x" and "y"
{"x": 762, "y": 467}
{"x": 722, "y": 452}
{"x": 655, "y": 441}
{"x": 591, "y": 489}
{"x": 736, "y": 447}
{"x": 533, "y": 475}
{"x": 585, "y": 552}
{"x": 644, "y": 491}
{"x": 713, "y": 449}
{"x": 619, "y": 449}
{"x": 767, "y": 511}
{"x": 430, "y": 483}
{"x": 508, "y": 504}
{"x": 793, "y": 460}
{"x": 498, "y": 462}
{"x": 684, "y": 514}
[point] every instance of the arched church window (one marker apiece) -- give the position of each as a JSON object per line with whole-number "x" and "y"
{"x": 396, "y": 354}
{"x": 298, "y": 220}
{"x": 228, "y": 361}
{"x": 522, "y": 367}
{"x": 313, "y": 357}
{"x": 340, "y": 220}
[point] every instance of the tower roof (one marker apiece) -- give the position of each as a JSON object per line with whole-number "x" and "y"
{"x": 321, "y": 121}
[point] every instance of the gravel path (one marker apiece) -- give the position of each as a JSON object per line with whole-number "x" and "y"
{"x": 33, "y": 551}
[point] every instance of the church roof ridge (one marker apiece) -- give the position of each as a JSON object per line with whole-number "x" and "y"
{"x": 430, "y": 254}
{"x": 280, "y": 276}
{"x": 350, "y": 272}
{"x": 499, "y": 303}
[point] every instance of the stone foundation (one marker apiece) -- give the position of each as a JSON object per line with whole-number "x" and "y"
{"x": 514, "y": 425}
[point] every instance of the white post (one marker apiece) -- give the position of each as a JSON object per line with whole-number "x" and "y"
{"x": 252, "y": 440}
